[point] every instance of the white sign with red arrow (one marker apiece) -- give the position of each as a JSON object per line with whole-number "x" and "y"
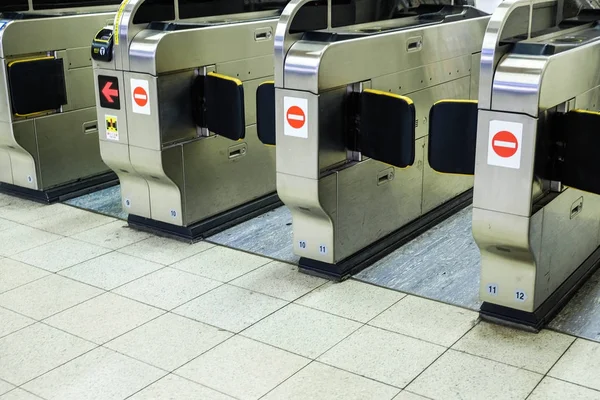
{"x": 140, "y": 96}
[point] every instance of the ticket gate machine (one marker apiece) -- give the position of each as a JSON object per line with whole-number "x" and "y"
{"x": 48, "y": 127}
{"x": 532, "y": 143}
{"x": 182, "y": 134}
{"x": 342, "y": 134}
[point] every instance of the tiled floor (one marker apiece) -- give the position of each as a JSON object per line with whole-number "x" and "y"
{"x": 90, "y": 309}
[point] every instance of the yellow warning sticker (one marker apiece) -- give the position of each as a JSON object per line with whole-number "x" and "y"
{"x": 118, "y": 20}
{"x": 112, "y": 131}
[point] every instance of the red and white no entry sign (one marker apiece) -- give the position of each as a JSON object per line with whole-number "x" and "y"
{"x": 140, "y": 96}
{"x": 295, "y": 117}
{"x": 505, "y": 144}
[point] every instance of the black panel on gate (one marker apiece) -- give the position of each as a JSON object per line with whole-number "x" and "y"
{"x": 452, "y": 137}
{"x": 14, "y": 5}
{"x": 386, "y": 128}
{"x": 54, "y": 4}
{"x": 218, "y": 105}
{"x": 36, "y": 85}
{"x": 265, "y": 113}
{"x": 581, "y": 134}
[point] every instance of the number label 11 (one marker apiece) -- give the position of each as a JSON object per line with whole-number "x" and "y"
{"x": 492, "y": 289}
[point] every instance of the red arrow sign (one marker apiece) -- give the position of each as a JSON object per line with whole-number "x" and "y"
{"x": 109, "y": 93}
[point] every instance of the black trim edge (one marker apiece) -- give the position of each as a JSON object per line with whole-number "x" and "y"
{"x": 386, "y": 245}
{"x": 210, "y": 226}
{"x": 63, "y": 192}
{"x": 535, "y": 321}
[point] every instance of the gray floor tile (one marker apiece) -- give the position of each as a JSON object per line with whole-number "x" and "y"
{"x": 104, "y": 317}
{"x": 47, "y": 296}
{"x": 428, "y": 320}
{"x": 351, "y": 299}
{"x": 167, "y": 288}
{"x": 221, "y": 264}
{"x": 14, "y": 274}
{"x": 230, "y": 308}
{"x": 554, "y": 389}
{"x": 11, "y": 322}
{"x": 319, "y": 381}
{"x": 5, "y": 387}
{"x": 110, "y": 270}
{"x": 580, "y": 364}
{"x": 173, "y": 387}
{"x": 35, "y": 350}
{"x": 12, "y": 241}
{"x": 71, "y": 222}
{"x": 114, "y": 235}
{"x": 169, "y": 341}
{"x": 280, "y": 280}
{"x": 6, "y": 224}
{"x": 243, "y": 368}
{"x": 101, "y": 374}
{"x": 19, "y": 394}
{"x": 406, "y": 395}
{"x": 383, "y": 356}
{"x": 535, "y": 352}
{"x": 163, "y": 250}
{"x": 457, "y": 375}
{"x": 26, "y": 211}
{"x": 60, "y": 254}
{"x": 302, "y": 330}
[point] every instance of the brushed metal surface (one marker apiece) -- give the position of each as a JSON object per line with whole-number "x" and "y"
{"x": 63, "y": 151}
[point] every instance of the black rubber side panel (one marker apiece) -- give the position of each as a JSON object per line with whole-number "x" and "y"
{"x": 224, "y": 106}
{"x": 581, "y": 168}
{"x": 36, "y": 85}
{"x": 452, "y": 137}
{"x": 386, "y": 128}
{"x": 198, "y": 101}
{"x": 265, "y": 113}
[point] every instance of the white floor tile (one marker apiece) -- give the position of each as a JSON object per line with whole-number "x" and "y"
{"x": 173, "y": 387}
{"x": 11, "y": 322}
{"x": 553, "y": 389}
{"x": 114, "y": 235}
{"x": 383, "y": 356}
{"x": 302, "y": 330}
{"x": 26, "y": 211}
{"x": 111, "y": 270}
{"x": 14, "y": 274}
{"x": 319, "y": 382}
{"x": 104, "y": 317}
{"x": 221, "y": 263}
{"x": 21, "y": 238}
{"x": 167, "y": 288}
{"x": 35, "y": 350}
{"x": 5, "y": 387}
{"x": 60, "y": 254}
{"x": 100, "y": 374}
{"x": 426, "y": 319}
{"x": 405, "y": 395}
{"x": 280, "y": 280}
{"x": 351, "y": 299}
{"x": 230, "y": 308}
{"x": 242, "y": 368}
{"x": 535, "y": 352}
{"x": 19, "y": 394}
{"x": 71, "y": 222}
{"x": 457, "y": 375}
{"x": 169, "y": 341}
{"x": 163, "y": 250}
{"x": 6, "y": 224}
{"x": 47, "y": 296}
{"x": 580, "y": 364}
